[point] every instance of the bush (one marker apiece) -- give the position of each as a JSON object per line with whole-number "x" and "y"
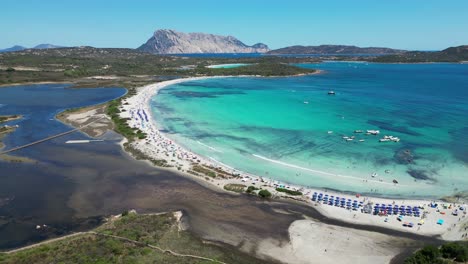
{"x": 251, "y": 189}
{"x": 264, "y": 194}
{"x": 454, "y": 251}
{"x": 427, "y": 255}
{"x": 291, "y": 192}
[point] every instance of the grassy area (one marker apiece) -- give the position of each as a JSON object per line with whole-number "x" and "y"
{"x": 203, "y": 170}
{"x": 238, "y": 188}
{"x": 284, "y": 190}
{"x": 158, "y": 230}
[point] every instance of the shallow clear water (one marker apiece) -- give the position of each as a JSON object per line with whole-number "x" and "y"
{"x": 263, "y": 126}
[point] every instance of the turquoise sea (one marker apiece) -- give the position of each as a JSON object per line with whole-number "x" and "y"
{"x": 278, "y": 127}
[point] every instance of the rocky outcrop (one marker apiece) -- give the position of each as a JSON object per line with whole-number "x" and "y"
{"x": 165, "y": 41}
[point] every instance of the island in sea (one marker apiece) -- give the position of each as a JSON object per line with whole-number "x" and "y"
{"x": 292, "y": 222}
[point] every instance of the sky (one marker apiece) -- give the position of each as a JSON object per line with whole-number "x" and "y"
{"x": 402, "y": 24}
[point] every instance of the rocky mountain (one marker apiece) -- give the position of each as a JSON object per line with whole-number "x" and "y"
{"x": 166, "y": 41}
{"x": 334, "y": 49}
{"x": 40, "y": 46}
{"x": 452, "y": 54}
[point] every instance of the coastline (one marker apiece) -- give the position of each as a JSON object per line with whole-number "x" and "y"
{"x": 159, "y": 146}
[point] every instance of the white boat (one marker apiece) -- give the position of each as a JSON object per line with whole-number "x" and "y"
{"x": 330, "y": 132}
{"x": 331, "y": 92}
{"x": 373, "y": 132}
{"x": 361, "y": 140}
{"x": 349, "y": 139}
{"x": 389, "y": 138}
{"x": 305, "y": 102}
{"x": 374, "y": 174}
{"x": 345, "y": 137}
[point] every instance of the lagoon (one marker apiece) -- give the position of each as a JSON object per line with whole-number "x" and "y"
{"x": 279, "y": 127}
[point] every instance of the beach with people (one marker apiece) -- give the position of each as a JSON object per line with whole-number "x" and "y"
{"x": 428, "y": 217}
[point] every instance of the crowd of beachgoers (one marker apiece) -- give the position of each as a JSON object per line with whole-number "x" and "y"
{"x": 421, "y": 216}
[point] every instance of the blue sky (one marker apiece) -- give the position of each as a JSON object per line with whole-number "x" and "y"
{"x": 410, "y": 24}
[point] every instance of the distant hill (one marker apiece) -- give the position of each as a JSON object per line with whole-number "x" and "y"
{"x": 14, "y": 48}
{"x": 40, "y": 46}
{"x": 452, "y": 54}
{"x": 166, "y": 41}
{"x": 47, "y": 46}
{"x": 334, "y": 49}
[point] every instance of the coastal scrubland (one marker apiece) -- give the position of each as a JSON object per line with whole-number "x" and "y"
{"x": 131, "y": 238}
{"x": 88, "y": 67}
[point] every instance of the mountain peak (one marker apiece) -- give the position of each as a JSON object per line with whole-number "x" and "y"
{"x": 168, "y": 41}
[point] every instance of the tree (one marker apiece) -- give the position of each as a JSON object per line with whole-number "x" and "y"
{"x": 454, "y": 251}
{"x": 427, "y": 255}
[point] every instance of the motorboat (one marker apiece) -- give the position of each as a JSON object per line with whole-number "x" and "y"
{"x": 331, "y": 93}
{"x": 373, "y": 132}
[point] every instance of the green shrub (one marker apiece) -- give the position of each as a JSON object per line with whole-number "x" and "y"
{"x": 264, "y": 194}
{"x": 251, "y": 189}
{"x": 291, "y": 192}
{"x": 455, "y": 251}
{"x": 427, "y": 255}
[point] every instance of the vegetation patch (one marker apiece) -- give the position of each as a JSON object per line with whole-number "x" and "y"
{"x": 251, "y": 189}
{"x": 132, "y": 238}
{"x": 203, "y": 170}
{"x": 264, "y": 194}
{"x": 233, "y": 187}
{"x": 452, "y": 252}
{"x": 290, "y": 192}
{"x": 121, "y": 125}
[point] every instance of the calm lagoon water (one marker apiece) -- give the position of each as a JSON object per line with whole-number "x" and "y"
{"x": 278, "y": 127}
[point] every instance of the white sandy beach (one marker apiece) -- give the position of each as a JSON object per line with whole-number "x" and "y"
{"x": 157, "y": 145}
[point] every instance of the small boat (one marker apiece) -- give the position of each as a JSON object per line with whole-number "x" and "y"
{"x": 374, "y": 174}
{"x": 361, "y": 140}
{"x": 389, "y": 138}
{"x": 345, "y": 137}
{"x": 330, "y": 132}
{"x": 349, "y": 139}
{"x": 358, "y": 131}
{"x": 305, "y": 102}
{"x": 331, "y": 93}
{"x": 395, "y": 181}
{"x": 373, "y": 132}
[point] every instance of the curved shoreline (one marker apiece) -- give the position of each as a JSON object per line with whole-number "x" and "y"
{"x": 160, "y": 146}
